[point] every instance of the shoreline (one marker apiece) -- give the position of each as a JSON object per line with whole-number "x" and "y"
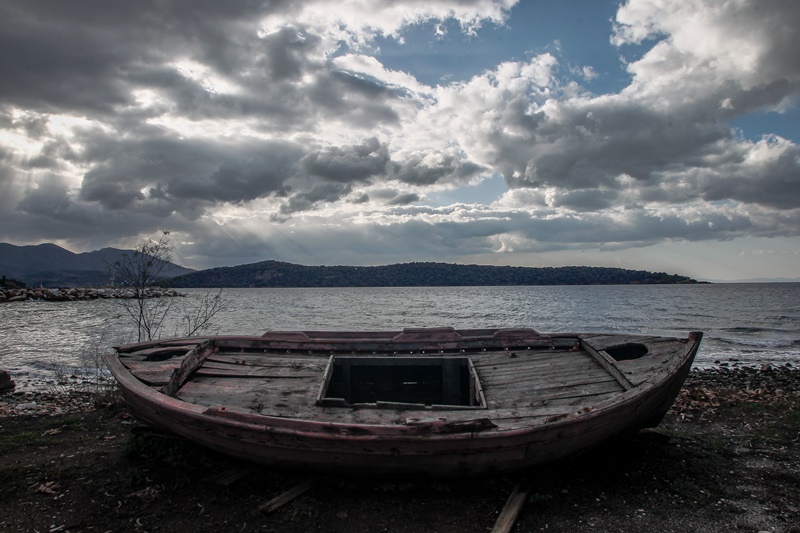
{"x": 726, "y": 457}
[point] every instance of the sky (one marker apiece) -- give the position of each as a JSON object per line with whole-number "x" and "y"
{"x": 646, "y": 134}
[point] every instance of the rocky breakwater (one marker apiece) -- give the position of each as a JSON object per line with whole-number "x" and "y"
{"x": 72, "y": 294}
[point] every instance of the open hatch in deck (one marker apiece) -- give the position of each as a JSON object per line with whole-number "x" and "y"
{"x": 401, "y": 383}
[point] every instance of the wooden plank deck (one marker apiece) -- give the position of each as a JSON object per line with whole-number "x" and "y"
{"x": 520, "y": 387}
{"x": 276, "y": 397}
{"x": 153, "y": 373}
{"x": 637, "y": 371}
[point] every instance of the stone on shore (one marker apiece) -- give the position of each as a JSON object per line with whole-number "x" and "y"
{"x": 6, "y": 383}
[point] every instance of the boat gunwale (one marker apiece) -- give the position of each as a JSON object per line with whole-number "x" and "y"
{"x": 664, "y": 378}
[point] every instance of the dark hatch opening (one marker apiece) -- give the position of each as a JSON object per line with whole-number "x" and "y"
{"x": 398, "y": 382}
{"x": 627, "y": 352}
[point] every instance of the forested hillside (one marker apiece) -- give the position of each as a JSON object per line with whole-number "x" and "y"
{"x": 279, "y": 274}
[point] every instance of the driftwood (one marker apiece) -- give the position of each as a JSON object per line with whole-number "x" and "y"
{"x": 279, "y": 501}
{"x": 514, "y": 504}
{"x": 232, "y": 475}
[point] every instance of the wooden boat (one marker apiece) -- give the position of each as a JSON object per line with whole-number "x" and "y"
{"x": 434, "y": 401}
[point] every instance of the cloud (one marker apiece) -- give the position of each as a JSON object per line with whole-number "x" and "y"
{"x": 281, "y": 123}
{"x": 154, "y": 167}
{"x": 435, "y": 167}
{"x": 667, "y": 131}
{"x": 348, "y": 163}
{"x": 740, "y": 50}
{"x": 309, "y": 198}
{"x": 404, "y": 199}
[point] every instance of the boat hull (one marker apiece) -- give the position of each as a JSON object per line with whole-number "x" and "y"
{"x": 353, "y": 443}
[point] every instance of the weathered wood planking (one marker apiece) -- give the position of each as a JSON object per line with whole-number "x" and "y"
{"x": 580, "y": 364}
{"x": 256, "y": 397}
{"x": 276, "y": 395}
{"x": 143, "y": 347}
{"x": 582, "y": 400}
{"x": 389, "y": 345}
{"x": 513, "y": 358}
{"x": 271, "y": 399}
{"x": 562, "y": 396}
{"x": 193, "y": 360}
{"x": 603, "y": 342}
{"x": 602, "y": 358}
{"x": 554, "y": 379}
{"x": 150, "y": 372}
{"x": 268, "y": 359}
{"x": 659, "y": 356}
{"x": 586, "y": 368}
{"x": 499, "y": 396}
{"x": 557, "y": 393}
{"x": 503, "y": 371}
{"x": 289, "y": 372}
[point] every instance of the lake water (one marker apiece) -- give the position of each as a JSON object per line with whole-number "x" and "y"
{"x": 745, "y": 324}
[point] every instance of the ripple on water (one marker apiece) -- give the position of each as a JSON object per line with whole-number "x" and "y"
{"x": 757, "y": 322}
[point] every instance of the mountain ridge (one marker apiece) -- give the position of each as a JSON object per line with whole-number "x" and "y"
{"x": 50, "y": 265}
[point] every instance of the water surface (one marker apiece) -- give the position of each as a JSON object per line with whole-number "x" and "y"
{"x": 748, "y": 324}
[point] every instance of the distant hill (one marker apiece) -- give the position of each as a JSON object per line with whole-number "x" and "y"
{"x": 279, "y": 274}
{"x": 50, "y": 265}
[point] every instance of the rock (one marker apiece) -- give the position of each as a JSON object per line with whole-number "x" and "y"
{"x": 6, "y": 383}
{"x": 73, "y": 294}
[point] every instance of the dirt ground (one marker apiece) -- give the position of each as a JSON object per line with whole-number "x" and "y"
{"x": 726, "y": 458}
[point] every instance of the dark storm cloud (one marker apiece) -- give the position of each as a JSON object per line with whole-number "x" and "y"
{"x": 362, "y": 103}
{"x": 184, "y": 172}
{"x": 640, "y": 227}
{"x": 455, "y": 168}
{"x": 592, "y": 142}
{"x": 587, "y": 199}
{"x": 48, "y": 65}
{"x": 48, "y": 209}
{"x": 264, "y": 72}
{"x": 90, "y": 57}
{"x": 94, "y": 59}
{"x": 50, "y": 197}
{"x": 33, "y": 124}
{"x": 52, "y": 155}
{"x": 404, "y": 199}
{"x": 79, "y": 55}
{"x": 286, "y": 52}
{"x": 771, "y": 177}
{"x": 348, "y": 163}
{"x": 308, "y": 199}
